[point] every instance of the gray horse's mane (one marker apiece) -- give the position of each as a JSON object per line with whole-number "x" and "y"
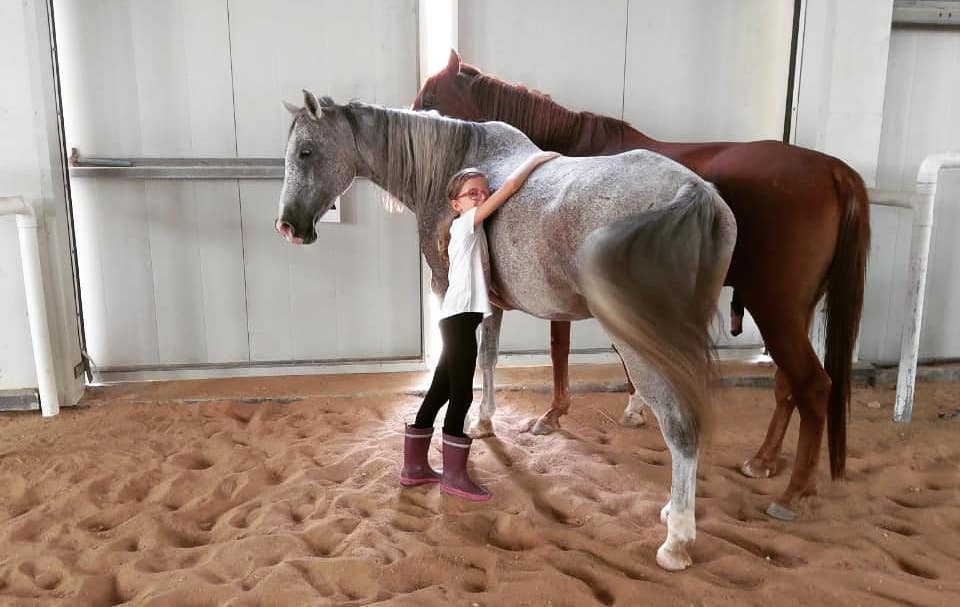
{"x": 423, "y": 150}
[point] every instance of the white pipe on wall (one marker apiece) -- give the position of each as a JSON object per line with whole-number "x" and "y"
{"x": 926, "y": 193}
{"x": 27, "y": 228}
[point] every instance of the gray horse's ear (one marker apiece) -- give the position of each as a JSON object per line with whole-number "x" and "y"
{"x": 311, "y": 103}
{"x": 318, "y": 107}
{"x": 453, "y": 63}
{"x": 327, "y": 104}
{"x": 291, "y": 108}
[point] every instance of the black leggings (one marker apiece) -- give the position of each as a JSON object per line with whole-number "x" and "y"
{"x": 453, "y": 379}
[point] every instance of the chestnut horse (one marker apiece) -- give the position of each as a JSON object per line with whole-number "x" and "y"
{"x": 803, "y": 230}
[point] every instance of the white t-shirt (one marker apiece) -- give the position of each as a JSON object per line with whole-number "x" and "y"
{"x": 468, "y": 288}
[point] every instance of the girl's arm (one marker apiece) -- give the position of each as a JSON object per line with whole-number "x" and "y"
{"x": 511, "y": 185}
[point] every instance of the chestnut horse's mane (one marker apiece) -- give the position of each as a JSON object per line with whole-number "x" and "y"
{"x": 551, "y": 125}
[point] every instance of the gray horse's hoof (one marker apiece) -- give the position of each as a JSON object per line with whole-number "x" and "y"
{"x": 483, "y": 428}
{"x": 748, "y": 470}
{"x": 673, "y": 559}
{"x": 632, "y": 420}
{"x": 780, "y": 513}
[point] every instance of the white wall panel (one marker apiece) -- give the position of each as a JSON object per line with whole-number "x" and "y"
{"x": 160, "y": 262}
{"x": 840, "y": 104}
{"x": 116, "y": 275}
{"x": 708, "y": 71}
{"x": 198, "y": 281}
{"x": 364, "y": 49}
{"x": 164, "y": 264}
{"x": 352, "y": 294}
{"x": 884, "y": 298}
{"x": 146, "y": 78}
{"x": 921, "y": 115}
{"x": 355, "y": 293}
{"x": 572, "y": 50}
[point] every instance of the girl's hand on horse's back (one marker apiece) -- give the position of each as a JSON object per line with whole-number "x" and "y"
{"x": 534, "y": 161}
{"x": 513, "y": 183}
{"x": 523, "y": 171}
{"x": 546, "y": 155}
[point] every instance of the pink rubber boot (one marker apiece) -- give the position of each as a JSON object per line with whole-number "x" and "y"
{"x": 456, "y": 481}
{"x": 416, "y": 469}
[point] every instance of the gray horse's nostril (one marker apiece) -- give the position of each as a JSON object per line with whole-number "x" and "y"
{"x": 283, "y": 227}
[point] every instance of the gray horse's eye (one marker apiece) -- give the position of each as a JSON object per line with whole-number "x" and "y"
{"x": 305, "y": 152}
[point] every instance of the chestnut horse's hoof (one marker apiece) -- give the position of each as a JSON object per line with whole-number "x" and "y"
{"x": 749, "y": 469}
{"x": 780, "y": 513}
{"x": 548, "y": 424}
{"x": 482, "y": 428}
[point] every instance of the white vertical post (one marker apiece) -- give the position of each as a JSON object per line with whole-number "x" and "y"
{"x": 916, "y": 285}
{"x": 27, "y": 228}
{"x": 919, "y": 255}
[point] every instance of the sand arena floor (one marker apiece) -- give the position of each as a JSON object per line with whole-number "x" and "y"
{"x": 284, "y": 491}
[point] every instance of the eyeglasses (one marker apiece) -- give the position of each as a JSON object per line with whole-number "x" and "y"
{"x": 474, "y": 194}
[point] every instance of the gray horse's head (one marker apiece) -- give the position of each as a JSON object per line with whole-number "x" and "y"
{"x": 320, "y": 164}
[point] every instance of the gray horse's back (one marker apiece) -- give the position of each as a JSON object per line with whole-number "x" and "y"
{"x": 577, "y": 195}
{"x": 534, "y": 238}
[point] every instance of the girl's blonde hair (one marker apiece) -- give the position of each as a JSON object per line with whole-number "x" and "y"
{"x": 459, "y": 178}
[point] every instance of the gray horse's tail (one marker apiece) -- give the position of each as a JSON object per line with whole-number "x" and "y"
{"x": 653, "y": 281}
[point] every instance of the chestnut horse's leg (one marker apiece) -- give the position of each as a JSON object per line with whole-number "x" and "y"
{"x": 559, "y": 355}
{"x": 764, "y": 463}
{"x": 482, "y": 425}
{"x": 809, "y": 387}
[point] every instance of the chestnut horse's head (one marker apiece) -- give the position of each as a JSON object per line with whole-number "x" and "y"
{"x": 320, "y": 164}
{"x": 452, "y": 85}
{"x": 462, "y": 91}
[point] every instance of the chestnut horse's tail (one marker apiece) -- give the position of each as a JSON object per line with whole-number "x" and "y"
{"x": 653, "y": 279}
{"x": 844, "y": 286}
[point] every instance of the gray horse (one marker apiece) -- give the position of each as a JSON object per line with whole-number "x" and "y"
{"x": 635, "y": 240}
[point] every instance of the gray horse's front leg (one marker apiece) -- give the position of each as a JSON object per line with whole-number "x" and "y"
{"x": 481, "y": 425}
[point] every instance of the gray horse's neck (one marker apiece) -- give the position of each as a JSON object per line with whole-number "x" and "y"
{"x": 408, "y": 154}
{"x": 368, "y": 138}
{"x": 412, "y": 156}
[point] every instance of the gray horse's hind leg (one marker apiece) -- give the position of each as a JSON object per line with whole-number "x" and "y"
{"x": 679, "y": 432}
{"x": 481, "y": 424}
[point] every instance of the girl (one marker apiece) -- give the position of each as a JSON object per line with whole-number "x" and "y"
{"x": 465, "y": 305}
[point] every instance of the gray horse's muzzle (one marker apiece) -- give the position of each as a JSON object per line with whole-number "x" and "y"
{"x": 293, "y": 235}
